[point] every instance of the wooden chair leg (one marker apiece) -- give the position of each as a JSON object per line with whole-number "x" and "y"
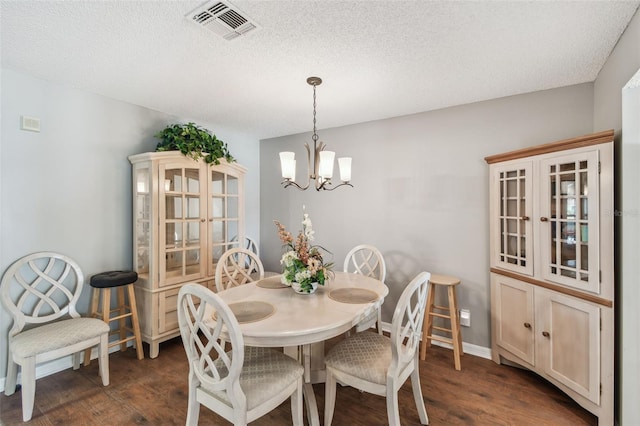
{"x": 93, "y": 313}
{"x": 455, "y": 326}
{"x": 12, "y": 376}
{"x": 103, "y": 359}
{"x": 427, "y": 325}
{"x": 135, "y": 325}
{"x": 122, "y": 321}
{"x": 28, "y": 388}
{"x": 329, "y": 398}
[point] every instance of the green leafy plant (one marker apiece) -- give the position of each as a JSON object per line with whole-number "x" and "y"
{"x": 193, "y": 141}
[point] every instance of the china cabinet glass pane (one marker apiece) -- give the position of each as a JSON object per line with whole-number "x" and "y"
{"x": 217, "y": 182}
{"x": 193, "y": 233}
{"x": 216, "y": 252}
{"x": 173, "y": 180}
{"x": 232, "y": 185}
{"x": 192, "y": 258}
{"x": 142, "y": 181}
{"x": 584, "y": 261}
{"x": 232, "y": 207}
{"x": 192, "y": 177}
{"x": 193, "y": 207}
{"x": 217, "y": 207}
{"x": 173, "y": 234}
{"x": 217, "y": 232}
{"x": 173, "y": 206}
{"x": 174, "y": 264}
{"x": 232, "y": 228}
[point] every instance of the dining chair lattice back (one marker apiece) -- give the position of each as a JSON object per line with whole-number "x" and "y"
{"x": 40, "y": 291}
{"x": 367, "y": 260}
{"x": 242, "y": 384}
{"x": 379, "y": 364}
{"x": 236, "y": 267}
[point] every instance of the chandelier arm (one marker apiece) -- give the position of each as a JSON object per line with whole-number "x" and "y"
{"x": 326, "y": 188}
{"x": 288, "y": 182}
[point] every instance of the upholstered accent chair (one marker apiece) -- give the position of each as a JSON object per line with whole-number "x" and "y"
{"x": 241, "y": 384}
{"x": 40, "y": 292}
{"x": 367, "y": 260}
{"x": 379, "y": 364}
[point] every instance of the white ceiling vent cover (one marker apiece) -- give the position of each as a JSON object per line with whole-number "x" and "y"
{"x": 221, "y": 18}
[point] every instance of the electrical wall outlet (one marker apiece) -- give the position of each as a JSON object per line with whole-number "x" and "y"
{"x": 465, "y": 318}
{"x": 31, "y": 124}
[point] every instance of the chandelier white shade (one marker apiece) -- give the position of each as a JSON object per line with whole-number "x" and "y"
{"x": 320, "y": 167}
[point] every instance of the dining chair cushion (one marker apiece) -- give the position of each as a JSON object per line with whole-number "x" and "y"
{"x": 265, "y": 371}
{"x": 364, "y": 355}
{"x": 56, "y": 335}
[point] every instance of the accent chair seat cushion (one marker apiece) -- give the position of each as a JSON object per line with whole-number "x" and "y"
{"x": 269, "y": 371}
{"x": 56, "y": 335}
{"x": 365, "y": 355}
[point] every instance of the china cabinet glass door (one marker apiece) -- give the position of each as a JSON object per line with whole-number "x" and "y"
{"x": 514, "y": 244}
{"x": 224, "y": 215}
{"x": 569, "y": 225}
{"x": 182, "y": 212}
{"x": 142, "y": 220}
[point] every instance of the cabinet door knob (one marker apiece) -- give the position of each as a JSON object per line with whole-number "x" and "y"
{"x": 203, "y": 220}
{"x": 546, "y": 334}
{"x": 544, "y": 219}
{"x": 527, "y": 325}
{"x": 525, "y": 218}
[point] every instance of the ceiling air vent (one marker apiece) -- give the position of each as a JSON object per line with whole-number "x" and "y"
{"x": 221, "y": 18}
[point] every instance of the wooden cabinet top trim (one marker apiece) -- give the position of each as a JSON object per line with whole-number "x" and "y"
{"x": 562, "y": 145}
{"x": 560, "y": 289}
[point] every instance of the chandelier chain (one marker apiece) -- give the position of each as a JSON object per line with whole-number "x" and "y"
{"x": 315, "y": 135}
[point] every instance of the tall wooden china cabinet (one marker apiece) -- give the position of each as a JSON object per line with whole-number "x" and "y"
{"x": 552, "y": 269}
{"x": 186, "y": 213}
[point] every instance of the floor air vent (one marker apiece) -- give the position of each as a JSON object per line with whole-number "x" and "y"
{"x": 222, "y": 18}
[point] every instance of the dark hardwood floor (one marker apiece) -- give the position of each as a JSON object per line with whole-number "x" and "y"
{"x": 154, "y": 392}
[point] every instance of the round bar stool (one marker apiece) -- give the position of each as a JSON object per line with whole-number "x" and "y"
{"x": 101, "y": 284}
{"x": 449, "y": 313}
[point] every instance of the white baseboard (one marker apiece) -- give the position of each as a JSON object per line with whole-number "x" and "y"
{"x": 60, "y": 364}
{"x": 467, "y": 348}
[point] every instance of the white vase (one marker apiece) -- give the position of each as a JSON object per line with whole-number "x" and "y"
{"x": 296, "y": 287}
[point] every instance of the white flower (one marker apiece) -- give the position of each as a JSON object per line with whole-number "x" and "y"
{"x": 302, "y": 275}
{"x": 308, "y": 227}
{"x": 288, "y": 258}
{"x": 283, "y": 280}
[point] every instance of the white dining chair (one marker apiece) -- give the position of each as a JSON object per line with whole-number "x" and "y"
{"x": 379, "y": 364}
{"x": 40, "y": 291}
{"x": 367, "y": 260}
{"x": 242, "y": 384}
{"x": 236, "y": 267}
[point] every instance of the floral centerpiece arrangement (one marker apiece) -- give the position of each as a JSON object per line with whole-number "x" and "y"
{"x": 303, "y": 265}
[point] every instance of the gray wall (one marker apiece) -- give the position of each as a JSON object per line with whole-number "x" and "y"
{"x": 618, "y": 107}
{"x": 67, "y": 188}
{"x": 421, "y": 188}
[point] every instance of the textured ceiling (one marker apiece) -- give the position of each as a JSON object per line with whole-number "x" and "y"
{"x": 377, "y": 59}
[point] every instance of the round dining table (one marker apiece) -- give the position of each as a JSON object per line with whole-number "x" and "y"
{"x": 273, "y": 315}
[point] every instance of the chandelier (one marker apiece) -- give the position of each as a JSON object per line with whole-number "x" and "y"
{"x": 322, "y": 160}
